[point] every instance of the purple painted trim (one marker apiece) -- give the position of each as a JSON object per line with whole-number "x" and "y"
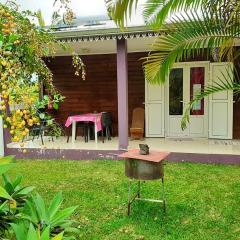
{"x": 204, "y": 158}
{"x": 122, "y": 88}
{"x": 71, "y": 154}
{"x": 6, "y": 139}
{"x": 74, "y": 154}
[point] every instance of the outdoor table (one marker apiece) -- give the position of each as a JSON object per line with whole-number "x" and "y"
{"x": 88, "y": 117}
{"x": 141, "y": 168}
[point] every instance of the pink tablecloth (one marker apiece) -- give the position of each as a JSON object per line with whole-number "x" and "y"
{"x": 89, "y": 117}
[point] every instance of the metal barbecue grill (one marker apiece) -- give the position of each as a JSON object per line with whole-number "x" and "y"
{"x": 142, "y": 168}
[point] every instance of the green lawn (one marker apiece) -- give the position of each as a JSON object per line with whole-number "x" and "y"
{"x": 203, "y": 201}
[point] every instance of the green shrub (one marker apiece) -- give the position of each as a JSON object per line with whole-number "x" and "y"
{"x": 52, "y": 217}
{"x": 21, "y": 232}
{"x": 24, "y": 216}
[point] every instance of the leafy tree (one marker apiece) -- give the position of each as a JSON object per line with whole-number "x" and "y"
{"x": 23, "y": 47}
{"x": 187, "y": 28}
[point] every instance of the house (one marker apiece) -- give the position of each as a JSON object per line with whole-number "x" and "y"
{"x": 115, "y": 83}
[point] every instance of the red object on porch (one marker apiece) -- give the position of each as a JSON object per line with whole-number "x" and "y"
{"x": 88, "y": 117}
{"x": 137, "y": 129}
{"x": 197, "y": 76}
{"x": 154, "y": 156}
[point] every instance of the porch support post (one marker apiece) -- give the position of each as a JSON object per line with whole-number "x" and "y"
{"x": 122, "y": 89}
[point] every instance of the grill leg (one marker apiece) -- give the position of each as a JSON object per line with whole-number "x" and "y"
{"x": 129, "y": 197}
{"x": 42, "y": 138}
{"x": 163, "y": 196}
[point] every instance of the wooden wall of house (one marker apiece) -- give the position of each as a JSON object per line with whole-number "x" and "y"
{"x": 99, "y": 91}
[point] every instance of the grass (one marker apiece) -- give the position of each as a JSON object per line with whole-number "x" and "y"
{"x": 203, "y": 201}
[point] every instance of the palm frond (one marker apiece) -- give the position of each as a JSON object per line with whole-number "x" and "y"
{"x": 186, "y": 36}
{"x": 224, "y": 83}
{"x": 121, "y": 10}
{"x": 40, "y": 19}
{"x": 157, "y": 11}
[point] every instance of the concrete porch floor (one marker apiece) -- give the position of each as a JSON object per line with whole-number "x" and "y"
{"x": 180, "y": 145}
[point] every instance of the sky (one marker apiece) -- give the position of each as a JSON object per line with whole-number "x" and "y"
{"x": 81, "y": 8}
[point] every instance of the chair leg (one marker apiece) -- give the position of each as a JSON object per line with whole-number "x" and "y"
{"x": 112, "y": 131}
{"x": 108, "y": 133}
{"x": 33, "y": 137}
{"x": 76, "y": 133}
{"x": 42, "y": 138}
{"x": 68, "y": 138}
{"x": 102, "y": 136}
{"x": 85, "y": 133}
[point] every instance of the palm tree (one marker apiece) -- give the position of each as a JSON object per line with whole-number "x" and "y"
{"x": 187, "y": 28}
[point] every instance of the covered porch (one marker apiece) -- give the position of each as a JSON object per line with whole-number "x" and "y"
{"x": 115, "y": 81}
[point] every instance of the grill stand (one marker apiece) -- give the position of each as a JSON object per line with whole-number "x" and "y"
{"x": 137, "y": 196}
{"x": 144, "y": 168}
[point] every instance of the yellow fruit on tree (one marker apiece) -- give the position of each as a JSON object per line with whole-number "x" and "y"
{"x": 4, "y": 63}
{"x": 16, "y": 139}
{"x": 8, "y": 119}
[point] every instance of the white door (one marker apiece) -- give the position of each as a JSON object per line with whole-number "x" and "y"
{"x": 184, "y": 82}
{"x": 154, "y": 110}
{"x": 220, "y": 104}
